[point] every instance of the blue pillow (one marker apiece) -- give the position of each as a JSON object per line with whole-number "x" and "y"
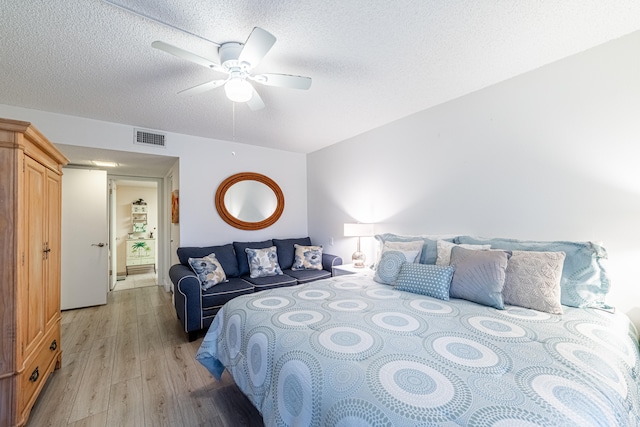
{"x": 479, "y": 275}
{"x": 425, "y": 279}
{"x": 584, "y": 281}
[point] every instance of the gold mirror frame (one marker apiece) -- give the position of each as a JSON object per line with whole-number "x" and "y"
{"x": 238, "y": 223}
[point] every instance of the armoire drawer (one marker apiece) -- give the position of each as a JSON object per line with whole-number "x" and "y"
{"x": 38, "y": 368}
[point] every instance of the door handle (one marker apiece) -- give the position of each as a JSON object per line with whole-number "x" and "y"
{"x": 100, "y": 245}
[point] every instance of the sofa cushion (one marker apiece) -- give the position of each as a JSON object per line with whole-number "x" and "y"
{"x": 286, "y": 251}
{"x": 270, "y": 282}
{"x": 241, "y": 255}
{"x": 224, "y": 254}
{"x": 304, "y": 276}
{"x": 263, "y": 262}
{"x": 220, "y": 294}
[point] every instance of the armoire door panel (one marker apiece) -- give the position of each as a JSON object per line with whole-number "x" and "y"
{"x": 53, "y": 236}
{"x": 34, "y": 288}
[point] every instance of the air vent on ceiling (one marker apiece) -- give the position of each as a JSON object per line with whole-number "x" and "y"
{"x": 144, "y": 137}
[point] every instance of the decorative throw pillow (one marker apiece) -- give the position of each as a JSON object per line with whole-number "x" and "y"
{"x": 393, "y": 255}
{"x": 208, "y": 270}
{"x": 425, "y": 279}
{"x": 444, "y": 250}
{"x": 263, "y": 262}
{"x": 307, "y": 257}
{"x": 585, "y": 281}
{"x": 533, "y": 280}
{"x": 479, "y": 275}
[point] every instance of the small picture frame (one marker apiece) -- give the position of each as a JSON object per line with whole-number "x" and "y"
{"x": 175, "y": 207}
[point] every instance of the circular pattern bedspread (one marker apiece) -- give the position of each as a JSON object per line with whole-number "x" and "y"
{"x": 350, "y": 352}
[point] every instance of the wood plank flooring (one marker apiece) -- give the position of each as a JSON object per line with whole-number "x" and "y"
{"x": 128, "y": 363}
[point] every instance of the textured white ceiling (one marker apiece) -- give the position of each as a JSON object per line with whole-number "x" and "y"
{"x": 372, "y": 61}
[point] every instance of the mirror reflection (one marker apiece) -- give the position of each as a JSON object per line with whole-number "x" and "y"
{"x": 249, "y": 201}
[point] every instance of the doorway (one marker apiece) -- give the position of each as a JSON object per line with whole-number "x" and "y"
{"x": 140, "y": 168}
{"x": 135, "y": 227}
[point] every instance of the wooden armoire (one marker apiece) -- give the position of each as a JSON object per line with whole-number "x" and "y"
{"x": 30, "y": 220}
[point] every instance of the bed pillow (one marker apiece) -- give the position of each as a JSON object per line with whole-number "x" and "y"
{"x": 584, "y": 281}
{"x": 444, "y": 250}
{"x": 479, "y": 275}
{"x": 393, "y": 255}
{"x": 429, "y": 251}
{"x": 533, "y": 280}
{"x": 425, "y": 279}
{"x": 208, "y": 270}
{"x": 307, "y": 258}
{"x": 263, "y": 262}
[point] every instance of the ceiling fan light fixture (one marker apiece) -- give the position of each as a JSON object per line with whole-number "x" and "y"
{"x": 238, "y": 90}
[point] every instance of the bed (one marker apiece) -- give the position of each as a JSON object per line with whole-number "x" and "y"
{"x": 350, "y": 351}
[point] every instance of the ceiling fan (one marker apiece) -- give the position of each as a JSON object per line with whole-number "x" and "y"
{"x": 237, "y": 60}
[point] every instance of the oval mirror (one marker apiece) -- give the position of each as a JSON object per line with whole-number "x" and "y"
{"x": 249, "y": 201}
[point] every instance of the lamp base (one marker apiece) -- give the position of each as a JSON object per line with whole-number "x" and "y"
{"x": 358, "y": 259}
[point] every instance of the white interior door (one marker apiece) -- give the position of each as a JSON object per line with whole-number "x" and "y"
{"x": 85, "y": 234}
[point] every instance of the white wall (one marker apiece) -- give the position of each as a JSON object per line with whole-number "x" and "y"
{"x": 549, "y": 155}
{"x": 125, "y": 195}
{"x": 204, "y": 164}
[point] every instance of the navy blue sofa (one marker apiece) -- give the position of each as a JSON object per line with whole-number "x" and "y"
{"x": 197, "y": 308}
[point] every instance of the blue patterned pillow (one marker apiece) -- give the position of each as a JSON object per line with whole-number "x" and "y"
{"x": 208, "y": 270}
{"x": 263, "y": 262}
{"x": 479, "y": 275}
{"x": 307, "y": 257}
{"x": 394, "y": 254}
{"x": 425, "y": 279}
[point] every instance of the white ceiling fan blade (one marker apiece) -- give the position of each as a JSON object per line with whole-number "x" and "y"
{"x": 255, "y": 103}
{"x": 181, "y": 53}
{"x": 284, "y": 80}
{"x": 202, "y": 88}
{"x": 258, "y": 44}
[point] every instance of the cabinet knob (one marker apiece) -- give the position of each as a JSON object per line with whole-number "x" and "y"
{"x": 54, "y": 345}
{"x": 34, "y": 376}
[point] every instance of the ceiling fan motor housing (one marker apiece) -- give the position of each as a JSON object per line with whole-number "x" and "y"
{"x": 229, "y": 54}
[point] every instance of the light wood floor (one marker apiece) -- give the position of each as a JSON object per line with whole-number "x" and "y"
{"x": 128, "y": 363}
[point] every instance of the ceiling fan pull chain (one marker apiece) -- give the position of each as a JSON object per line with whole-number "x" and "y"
{"x": 233, "y": 121}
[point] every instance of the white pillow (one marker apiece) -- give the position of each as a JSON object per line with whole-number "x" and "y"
{"x": 533, "y": 280}
{"x": 444, "y": 250}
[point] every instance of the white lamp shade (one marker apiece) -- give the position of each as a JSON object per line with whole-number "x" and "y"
{"x": 238, "y": 90}
{"x": 358, "y": 230}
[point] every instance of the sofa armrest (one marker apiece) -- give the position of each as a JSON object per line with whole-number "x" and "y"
{"x": 187, "y": 296}
{"x": 329, "y": 261}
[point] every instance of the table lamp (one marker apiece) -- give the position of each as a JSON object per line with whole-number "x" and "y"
{"x": 358, "y": 230}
